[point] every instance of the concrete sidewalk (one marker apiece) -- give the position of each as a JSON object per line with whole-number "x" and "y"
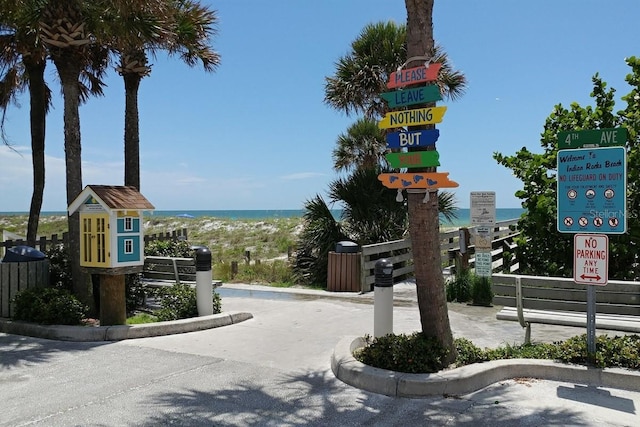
{"x": 274, "y": 369}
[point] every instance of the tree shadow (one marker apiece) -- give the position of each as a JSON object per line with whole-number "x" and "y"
{"x": 17, "y": 350}
{"x": 319, "y": 399}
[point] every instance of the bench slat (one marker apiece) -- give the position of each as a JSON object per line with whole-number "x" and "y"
{"x": 609, "y": 322}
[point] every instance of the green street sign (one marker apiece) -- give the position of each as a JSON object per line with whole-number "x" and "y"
{"x": 414, "y": 159}
{"x": 592, "y": 138}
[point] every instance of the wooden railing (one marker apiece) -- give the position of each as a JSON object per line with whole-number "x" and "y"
{"x": 45, "y": 243}
{"x": 399, "y": 253}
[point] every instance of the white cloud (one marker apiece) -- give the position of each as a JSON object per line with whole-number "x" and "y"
{"x": 301, "y": 175}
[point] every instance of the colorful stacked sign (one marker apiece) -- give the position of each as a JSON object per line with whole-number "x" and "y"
{"x": 404, "y": 139}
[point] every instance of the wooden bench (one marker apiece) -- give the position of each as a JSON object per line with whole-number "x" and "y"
{"x": 163, "y": 271}
{"x": 560, "y": 301}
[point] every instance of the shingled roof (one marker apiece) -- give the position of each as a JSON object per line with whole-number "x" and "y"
{"x": 121, "y": 197}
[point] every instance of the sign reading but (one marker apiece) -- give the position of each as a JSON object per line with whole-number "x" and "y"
{"x": 415, "y": 138}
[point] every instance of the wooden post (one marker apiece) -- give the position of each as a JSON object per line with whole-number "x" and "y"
{"x": 234, "y": 269}
{"x": 464, "y": 248}
{"x": 113, "y": 308}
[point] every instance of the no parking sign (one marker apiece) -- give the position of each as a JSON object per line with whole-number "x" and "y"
{"x": 591, "y": 259}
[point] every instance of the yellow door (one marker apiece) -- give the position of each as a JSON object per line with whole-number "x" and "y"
{"x": 94, "y": 240}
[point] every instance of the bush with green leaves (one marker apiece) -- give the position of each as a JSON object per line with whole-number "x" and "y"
{"x": 50, "y": 306}
{"x": 404, "y": 353}
{"x": 415, "y": 353}
{"x": 459, "y": 288}
{"x": 59, "y": 267}
{"x": 481, "y": 292}
{"x": 172, "y": 248}
{"x": 179, "y": 302}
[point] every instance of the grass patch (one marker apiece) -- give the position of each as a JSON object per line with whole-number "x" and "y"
{"x": 141, "y": 318}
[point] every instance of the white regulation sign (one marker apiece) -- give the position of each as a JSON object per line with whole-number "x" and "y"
{"x": 591, "y": 259}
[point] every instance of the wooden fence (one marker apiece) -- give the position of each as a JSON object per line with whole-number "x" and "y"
{"x": 399, "y": 252}
{"x": 45, "y": 243}
{"x": 17, "y": 276}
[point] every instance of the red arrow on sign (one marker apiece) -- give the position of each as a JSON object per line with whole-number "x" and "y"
{"x": 584, "y": 277}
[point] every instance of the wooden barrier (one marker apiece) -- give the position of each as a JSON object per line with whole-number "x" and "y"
{"x": 18, "y": 276}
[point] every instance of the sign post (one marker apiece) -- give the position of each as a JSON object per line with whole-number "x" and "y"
{"x": 592, "y": 198}
{"x": 483, "y": 217}
{"x": 591, "y": 266}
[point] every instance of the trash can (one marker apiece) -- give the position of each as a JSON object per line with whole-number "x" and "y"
{"x": 23, "y": 254}
{"x": 346, "y": 247}
{"x": 343, "y": 270}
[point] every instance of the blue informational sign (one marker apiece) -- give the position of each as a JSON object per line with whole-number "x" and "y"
{"x": 592, "y": 184}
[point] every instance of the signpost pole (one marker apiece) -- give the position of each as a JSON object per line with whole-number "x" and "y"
{"x": 591, "y": 323}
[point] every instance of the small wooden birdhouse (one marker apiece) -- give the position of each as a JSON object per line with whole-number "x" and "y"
{"x": 111, "y": 227}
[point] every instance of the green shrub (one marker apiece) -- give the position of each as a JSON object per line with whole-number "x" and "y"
{"x": 459, "y": 289}
{"x": 413, "y": 353}
{"x": 468, "y": 353}
{"x": 179, "y": 302}
{"x": 135, "y": 292}
{"x": 179, "y": 249}
{"x": 51, "y": 306}
{"x": 59, "y": 267}
{"x": 481, "y": 292}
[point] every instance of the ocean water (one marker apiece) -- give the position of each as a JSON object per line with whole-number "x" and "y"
{"x": 464, "y": 215}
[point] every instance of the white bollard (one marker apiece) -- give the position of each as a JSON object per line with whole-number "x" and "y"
{"x": 204, "y": 282}
{"x": 383, "y": 299}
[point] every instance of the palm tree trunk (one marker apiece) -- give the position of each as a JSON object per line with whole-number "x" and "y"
{"x": 424, "y": 221}
{"x": 38, "y": 112}
{"x": 69, "y": 73}
{"x": 131, "y": 131}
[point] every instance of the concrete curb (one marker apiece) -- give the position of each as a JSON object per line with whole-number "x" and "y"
{"x": 470, "y": 378}
{"x": 121, "y": 332}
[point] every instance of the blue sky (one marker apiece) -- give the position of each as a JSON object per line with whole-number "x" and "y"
{"x": 256, "y": 133}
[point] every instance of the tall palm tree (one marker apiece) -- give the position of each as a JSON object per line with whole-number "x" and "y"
{"x": 188, "y": 29}
{"x": 360, "y": 77}
{"x": 23, "y": 62}
{"x": 423, "y": 209}
{"x": 76, "y": 33}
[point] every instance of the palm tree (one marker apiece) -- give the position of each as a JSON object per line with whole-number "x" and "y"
{"x": 362, "y": 146}
{"x": 423, "y": 210}
{"x": 362, "y": 74}
{"x": 75, "y": 33}
{"x": 360, "y": 77}
{"x": 23, "y": 61}
{"x": 187, "y": 30}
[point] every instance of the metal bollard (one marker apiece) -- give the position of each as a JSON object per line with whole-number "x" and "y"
{"x": 383, "y": 299}
{"x": 204, "y": 282}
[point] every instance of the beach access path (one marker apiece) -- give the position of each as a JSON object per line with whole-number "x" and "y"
{"x": 274, "y": 369}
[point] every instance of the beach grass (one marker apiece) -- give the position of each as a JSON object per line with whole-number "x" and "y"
{"x": 261, "y": 247}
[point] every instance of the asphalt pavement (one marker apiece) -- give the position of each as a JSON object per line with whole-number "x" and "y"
{"x": 274, "y": 369}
